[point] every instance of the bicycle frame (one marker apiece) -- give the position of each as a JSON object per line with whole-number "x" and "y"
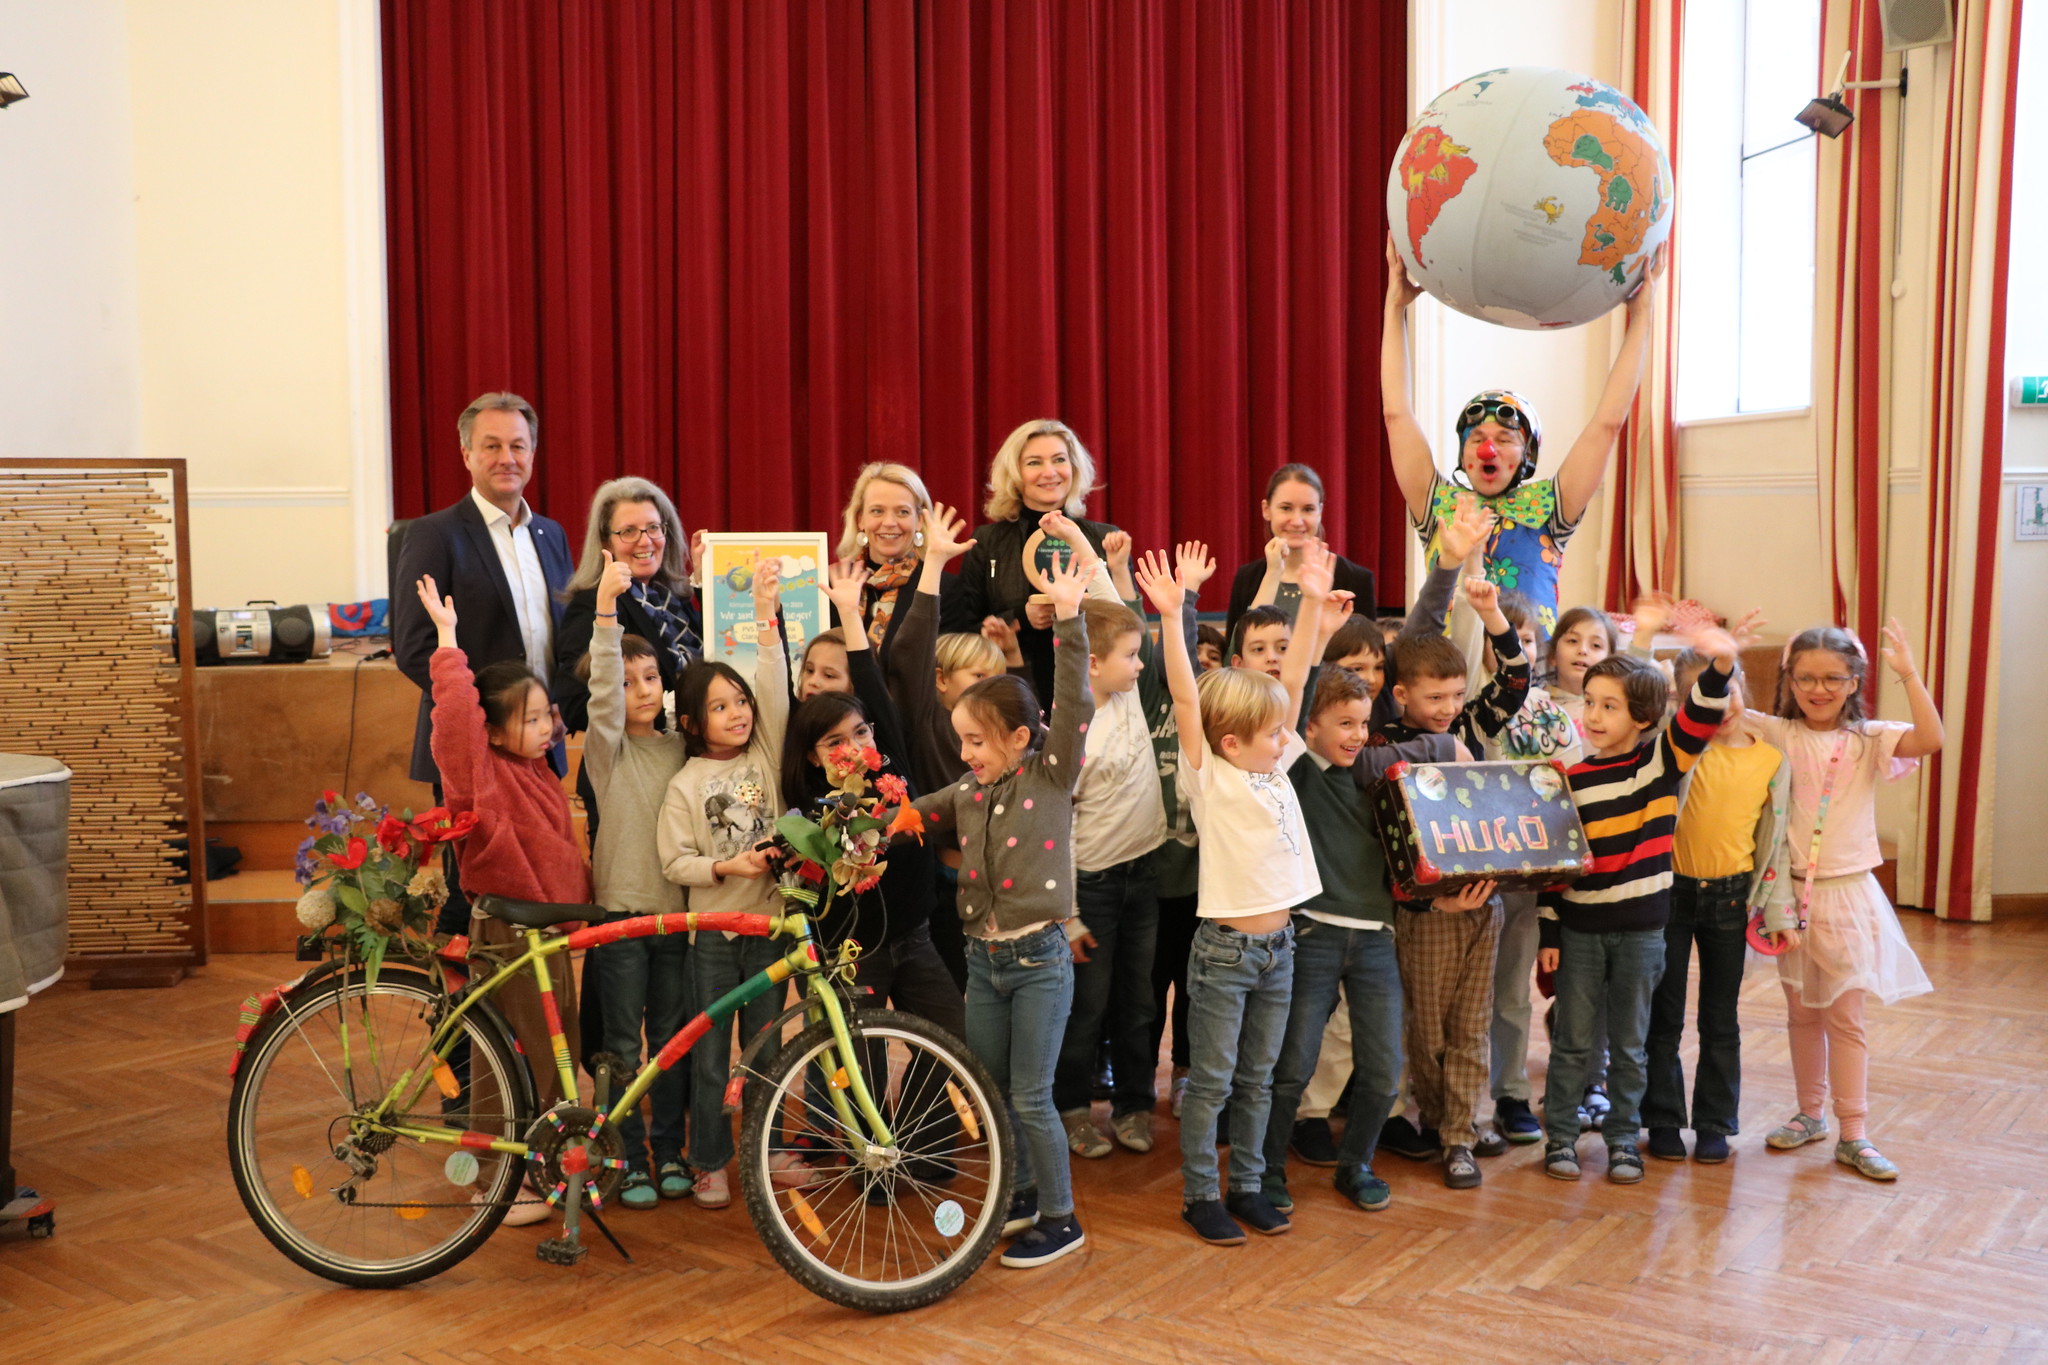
{"x": 803, "y": 958}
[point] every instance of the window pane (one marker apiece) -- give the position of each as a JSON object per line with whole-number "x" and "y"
{"x": 1709, "y": 212}
{"x": 1781, "y": 70}
{"x": 1777, "y": 279}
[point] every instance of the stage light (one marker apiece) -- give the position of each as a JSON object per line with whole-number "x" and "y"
{"x": 10, "y": 89}
{"x": 1827, "y": 116}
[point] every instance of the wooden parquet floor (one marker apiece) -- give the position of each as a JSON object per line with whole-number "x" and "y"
{"x": 1772, "y": 1257}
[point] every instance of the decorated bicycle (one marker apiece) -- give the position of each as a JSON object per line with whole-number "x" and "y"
{"x": 382, "y": 1122}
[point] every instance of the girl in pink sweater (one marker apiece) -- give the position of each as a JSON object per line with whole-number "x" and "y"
{"x": 492, "y": 732}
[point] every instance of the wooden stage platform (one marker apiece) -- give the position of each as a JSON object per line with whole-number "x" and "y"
{"x": 1768, "y": 1258}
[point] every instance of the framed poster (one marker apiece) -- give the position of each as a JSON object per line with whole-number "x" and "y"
{"x": 2030, "y": 511}
{"x": 731, "y": 558}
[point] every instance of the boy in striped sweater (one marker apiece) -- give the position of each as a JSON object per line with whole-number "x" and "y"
{"x": 1604, "y": 935}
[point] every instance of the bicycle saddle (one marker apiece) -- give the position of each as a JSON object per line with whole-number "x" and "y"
{"x": 535, "y": 914}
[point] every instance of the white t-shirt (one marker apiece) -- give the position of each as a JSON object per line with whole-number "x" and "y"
{"x": 1255, "y": 852}
{"x": 1118, "y": 811}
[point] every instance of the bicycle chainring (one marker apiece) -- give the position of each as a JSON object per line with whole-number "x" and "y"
{"x": 561, "y": 1140}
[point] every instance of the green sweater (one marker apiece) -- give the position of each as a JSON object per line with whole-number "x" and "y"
{"x": 1335, "y": 808}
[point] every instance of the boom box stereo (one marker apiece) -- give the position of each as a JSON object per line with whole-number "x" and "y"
{"x": 261, "y": 632}
{"x": 1445, "y": 826}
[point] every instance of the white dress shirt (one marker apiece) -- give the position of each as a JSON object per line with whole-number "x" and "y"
{"x": 513, "y": 537}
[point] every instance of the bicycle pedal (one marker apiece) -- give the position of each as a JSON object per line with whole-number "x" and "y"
{"x": 561, "y": 1251}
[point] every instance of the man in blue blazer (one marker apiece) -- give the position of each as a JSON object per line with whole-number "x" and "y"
{"x": 504, "y": 564}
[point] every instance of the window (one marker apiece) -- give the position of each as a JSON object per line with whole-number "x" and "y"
{"x": 1746, "y": 208}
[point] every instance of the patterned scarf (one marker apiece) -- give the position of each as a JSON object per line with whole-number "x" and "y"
{"x": 884, "y": 580}
{"x": 665, "y": 609}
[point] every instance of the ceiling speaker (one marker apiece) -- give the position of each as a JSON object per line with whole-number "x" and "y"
{"x": 1916, "y": 23}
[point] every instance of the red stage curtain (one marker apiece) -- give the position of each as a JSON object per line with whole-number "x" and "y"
{"x": 742, "y": 248}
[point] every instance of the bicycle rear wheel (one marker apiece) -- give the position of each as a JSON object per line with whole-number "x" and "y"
{"x": 882, "y": 1228}
{"x": 368, "y": 1208}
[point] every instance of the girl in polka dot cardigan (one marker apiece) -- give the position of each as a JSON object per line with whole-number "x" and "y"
{"x": 1012, "y": 818}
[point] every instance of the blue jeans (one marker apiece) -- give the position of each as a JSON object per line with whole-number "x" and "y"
{"x": 1713, "y": 914}
{"x": 1362, "y": 961}
{"x": 1239, "y": 986}
{"x": 1019, "y": 992}
{"x": 1512, "y": 1006}
{"x": 1120, "y": 906}
{"x": 1621, "y": 970}
{"x": 717, "y": 965}
{"x": 646, "y": 982}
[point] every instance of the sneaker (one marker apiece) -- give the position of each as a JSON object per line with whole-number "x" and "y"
{"x": 788, "y": 1171}
{"x": 1597, "y": 1104}
{"x": 1023, "y": 1212}
{"x": 1312, "y": 1142}
{"x": 1179, "y": 1088}
{"x": 1363, "y": 1188}
{"x": 1560, "y": 1162}
{"x": 1252, "y": 1206}
{"x": 1624, "y": 1164}
{"x": 1796, "y": 1131}
{"x": 1083, "y": 1137}
{"x": 1514, "y": 1121}
{"x": 1711, "y": 1148}
{"x": 1666, "y": 1144}
{"x": 1861, "y": 1157}
{"x": 1104, "y": 1086}
{"x": 638, "y": 1192}
{"x": 711, "y": 1190}
{"x": 1045, "y": 1243}
{"x": 1402, "y": 1138}
{"x": 1461, "y": 1170}
{"x": 1212, "y": 1224}
{"x": 1489, "y": 1143}
{"x": 1134, "y": 1130}
{"x": 1277, "y": 1194}
{"x": 673, "y": 1180}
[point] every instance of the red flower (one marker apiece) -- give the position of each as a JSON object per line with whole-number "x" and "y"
{"x": 332, "y": 799}
{"x": 459, "y": 827}
{"x": 392, "y": 836}
{"x": 811, "y": 872}
{"x": 872, "y": 757}
{"x": 892, "y": 787}
{"x": 352, "y": 858}
{"x": 867, "y": 884}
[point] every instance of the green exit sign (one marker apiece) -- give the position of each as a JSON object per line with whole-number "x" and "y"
{"x": 2030, "y": 391}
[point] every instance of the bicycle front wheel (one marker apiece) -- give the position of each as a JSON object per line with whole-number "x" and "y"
{"x": 350, "y": 1202}
{"x": 880, "y": 1227}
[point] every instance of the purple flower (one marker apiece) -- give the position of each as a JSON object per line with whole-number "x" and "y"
{"x": 333, "y": 824}
{"x": 364, "y": 801}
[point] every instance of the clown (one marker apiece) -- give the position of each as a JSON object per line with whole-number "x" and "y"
{"x": 1499, "y": 437}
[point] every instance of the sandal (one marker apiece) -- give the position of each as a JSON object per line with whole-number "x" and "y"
{"x": 1799, "y": 1130}
{"x": 673, "y": 1179}
{"x": 1860, "y": 1156}
{"x": 639, "y": 1191}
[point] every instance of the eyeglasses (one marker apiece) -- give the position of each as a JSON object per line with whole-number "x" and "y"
{"x": 1505, "y": 413}
{"x": 630, "y": 534}
{"x": 1833, "y": 682}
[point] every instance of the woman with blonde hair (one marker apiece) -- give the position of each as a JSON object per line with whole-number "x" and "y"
{"x": 1041, "y": 469}
{"x": 883, "y": 527}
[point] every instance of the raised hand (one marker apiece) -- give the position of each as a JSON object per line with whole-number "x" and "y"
{"x": 1067, "y": 583}
{"x": 1897, "y": 653}
{"x": 848, "y": 577}
{"x": 1116, "y": 549}
{"x": 1716, "y": 644}
{"x": 612, "y": 584}
{"x": 942, "y": 528}
{"x": 1483, "y": 593}
{"x": 1401, "y": 291}
{"x": 1645, "y": 295}
{"x": 697, "y": 556}
{"x": 1162, "y": 587}
{"x": 441, "y": 610}
{"x": 1005, "y": 637}
{"x": 1467, "y": 529}
{"x": 1276, "y": 552}
{"x": 1194, "y": 564}
{"x": 767, "y": 588}
{"x": 1061, "y": 527}
{"x": 1653, "y": 611}
{"x": 1748, "y": 627}
{"x": 1318, "y": 571}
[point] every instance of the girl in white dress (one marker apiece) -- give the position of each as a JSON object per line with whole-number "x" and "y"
{"x": 1848, "y": 944}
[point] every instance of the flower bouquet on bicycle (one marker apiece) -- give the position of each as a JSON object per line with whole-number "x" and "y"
{"x": 382, "y": 1122}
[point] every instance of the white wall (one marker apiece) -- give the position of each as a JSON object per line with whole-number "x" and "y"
{"x": 69, "y": 349}
{"x": 191, "y": 266}
{"x": 2020, "y": 859}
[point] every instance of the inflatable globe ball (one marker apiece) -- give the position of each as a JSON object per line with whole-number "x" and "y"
{"x": 1530, "y": 197}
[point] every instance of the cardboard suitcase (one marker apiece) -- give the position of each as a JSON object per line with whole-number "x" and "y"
{"x": 1445, "y": 826}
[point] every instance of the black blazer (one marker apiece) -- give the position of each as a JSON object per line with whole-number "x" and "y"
{"x": 455, "y": 547}
{"x": 572, "y": 642}
{"x": 1352, "y": 578}
{"x": 991, "y": 582}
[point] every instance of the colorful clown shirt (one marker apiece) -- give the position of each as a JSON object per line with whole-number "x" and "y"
{"x": 1526, "y": 550}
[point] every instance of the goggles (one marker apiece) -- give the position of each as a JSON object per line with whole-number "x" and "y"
{"x": 1498, "y": 410}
